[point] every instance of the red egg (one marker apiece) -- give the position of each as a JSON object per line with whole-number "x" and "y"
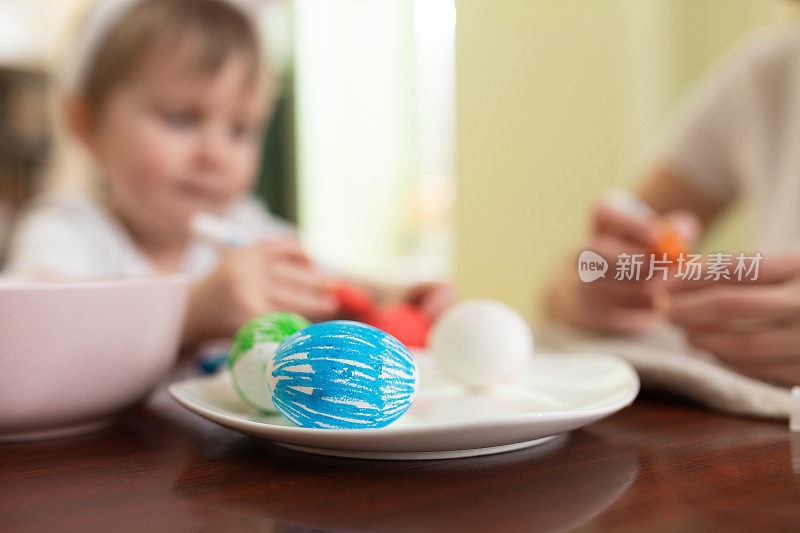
{"x": 408, "y": 324}
{"x": 353, "y": 300}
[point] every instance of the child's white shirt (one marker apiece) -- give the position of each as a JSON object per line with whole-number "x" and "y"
{"x": 68, "y": 235}
{"x": 740, "y": 137}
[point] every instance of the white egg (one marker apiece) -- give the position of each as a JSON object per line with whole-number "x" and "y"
{"x": 482, "y": 342}
{"x": 249, "y": 378}
{"x": 252, "y": 350}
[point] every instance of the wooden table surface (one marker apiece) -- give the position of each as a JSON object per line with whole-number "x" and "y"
{"x": 656, "y": 466}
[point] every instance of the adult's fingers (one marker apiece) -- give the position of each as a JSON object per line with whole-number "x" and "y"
{"x": 763, "y": 270}
{"x": 610, "y": 247}
{"x": 637, "y": 291}
{"x": 637, "y": 231}
{"x": 778, "y": 268}
{"x": 632, "y": 263}
{"x": 687, "y": 224}
{"x": 752, "y": 348}
{"x": 617, "y": 319}
{"x": 725, "y": 304}
{"x": 622, "y": 293}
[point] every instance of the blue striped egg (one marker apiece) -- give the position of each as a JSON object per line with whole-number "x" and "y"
{"x": 342, "y": 375}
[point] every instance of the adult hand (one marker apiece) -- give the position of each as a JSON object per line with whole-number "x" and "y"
{"x": 752, "y": 325}
{"x": 608, "y": 304}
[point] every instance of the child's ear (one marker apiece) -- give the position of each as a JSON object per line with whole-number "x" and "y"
{"x": 81, "y": 121}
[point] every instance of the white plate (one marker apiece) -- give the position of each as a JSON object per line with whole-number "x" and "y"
{"x": 556, "y": 394}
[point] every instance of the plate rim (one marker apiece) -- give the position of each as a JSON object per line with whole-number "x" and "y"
{"x": 424, "y": 455}
{"x": 186, "y": 400}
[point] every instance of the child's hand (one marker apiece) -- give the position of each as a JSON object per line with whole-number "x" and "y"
{"x": 607, "y": 304}
{"x": 273, "y": 275}
{"x": 752, "y": 325}
{"x": 432, "y": 297}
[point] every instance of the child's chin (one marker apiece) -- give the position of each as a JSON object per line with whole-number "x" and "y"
{"x": 191, "y": 205}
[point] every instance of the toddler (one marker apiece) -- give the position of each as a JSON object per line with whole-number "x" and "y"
{"x": 170, "y": 98}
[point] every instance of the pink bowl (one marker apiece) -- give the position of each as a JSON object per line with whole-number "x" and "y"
{"x": 74, "y": 355}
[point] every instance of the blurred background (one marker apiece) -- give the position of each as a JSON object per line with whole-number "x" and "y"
{"x": 418, "y": 139}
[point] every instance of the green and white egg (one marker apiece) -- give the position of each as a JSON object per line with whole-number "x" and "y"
{"x": 251, "y": 351}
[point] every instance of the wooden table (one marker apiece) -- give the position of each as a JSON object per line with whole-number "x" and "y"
{"x": 656, "y": 466}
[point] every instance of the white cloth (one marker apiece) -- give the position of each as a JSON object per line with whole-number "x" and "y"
{"x": 69, "y": 235}
{"x": 740, "y": 136}
{"x": 665, "y": 362}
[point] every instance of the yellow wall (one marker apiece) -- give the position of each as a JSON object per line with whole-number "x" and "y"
{"x": 558, "y": 100}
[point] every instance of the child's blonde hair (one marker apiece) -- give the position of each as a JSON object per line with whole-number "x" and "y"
{"x": 217, "y": 28}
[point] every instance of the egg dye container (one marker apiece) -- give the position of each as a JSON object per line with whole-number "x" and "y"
{"x": 252, "y": 348}
{"x": 342, "y": 375}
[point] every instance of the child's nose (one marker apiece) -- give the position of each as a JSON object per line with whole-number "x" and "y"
{"x": 213, "y": 149}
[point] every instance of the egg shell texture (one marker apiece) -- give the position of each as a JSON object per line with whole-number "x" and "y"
{"x": 342, "y": 375}
{"x": 250, "y": 353}
{"x": 482, "y": 342}
{"x": 270, "y": 327}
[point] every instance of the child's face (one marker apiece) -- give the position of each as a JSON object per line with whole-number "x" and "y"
{"x": 173, "y": 141}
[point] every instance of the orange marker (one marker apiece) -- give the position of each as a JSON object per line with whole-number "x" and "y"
{"x": 667, "y": 242}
